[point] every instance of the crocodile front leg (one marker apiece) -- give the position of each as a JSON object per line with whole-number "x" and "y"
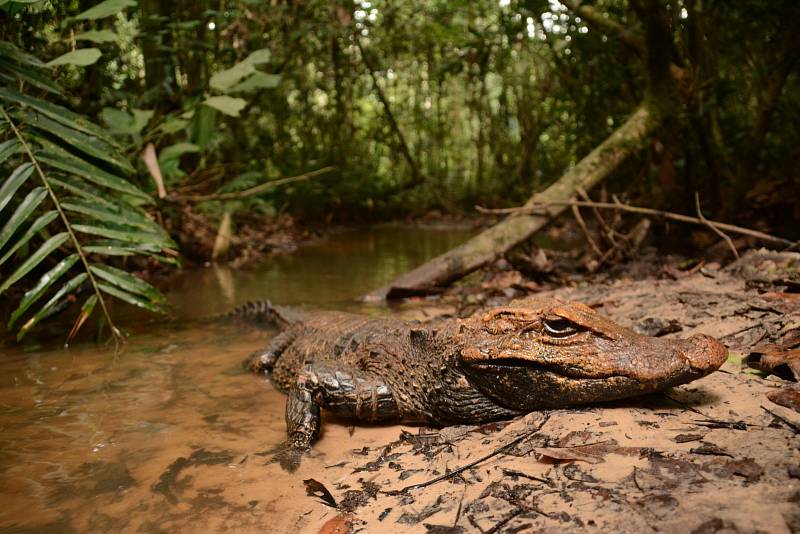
{"x": 263, "y": 361}
{"x": 344, "y": 391}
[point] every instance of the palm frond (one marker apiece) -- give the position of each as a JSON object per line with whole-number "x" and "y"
{"x": 67, "y": 184}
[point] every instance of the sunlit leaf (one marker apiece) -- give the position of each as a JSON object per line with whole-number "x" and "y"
{"x": 34, "y": 229}
{"x": 47, "y": 247}
{"x": 10, "y": 186}
{"x": 97, "y": 36}
{"x": 45, "y": 310}
{"x": 105, "y": 9}
{"x": 42, "y": 285}
{"x": 127, "y": 297}
{"x": 226, "y": 104}
{"x": 80, "y": 58}
{"x": 23, "y": 211}
{"x": 127, "y": 282}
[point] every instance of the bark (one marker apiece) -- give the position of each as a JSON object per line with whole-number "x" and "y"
{"x": 629, "y": 139}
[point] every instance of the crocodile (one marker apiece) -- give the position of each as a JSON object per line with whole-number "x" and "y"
{"x": 529, "y": 355}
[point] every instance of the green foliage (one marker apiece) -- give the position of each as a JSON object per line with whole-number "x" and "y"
{"x": 65, "y": 174}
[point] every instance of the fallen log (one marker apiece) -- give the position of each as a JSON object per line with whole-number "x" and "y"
{"x": 493, "y": 242}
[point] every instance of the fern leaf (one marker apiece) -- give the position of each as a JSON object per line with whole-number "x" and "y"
{"x": 23, "y": 211}
{"x": 34, "y": 229}
{"x": 45, "y": 310}
{"x": 35, "y": 259}
{"x": 10, "y": 186}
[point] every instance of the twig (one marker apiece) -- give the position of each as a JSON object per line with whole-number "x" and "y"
{"x": 539, "y": 206}
{"x": 498, "y": 450}
{"x": 716, "y": 230}
{"x": 577, "y": 213}
{"x": 609, "y": 233}
{"x": 253, "y": 190}
{"x": 785, "y": 421}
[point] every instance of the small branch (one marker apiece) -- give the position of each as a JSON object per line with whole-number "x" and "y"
{"x": 716, "y": 230}
{"x": 498, "y": 450}
{"x": 73, "y": 237}
{"x": 538, "y": 207}
{"x": 577, "y": 214}
{"x": 253, "y": 190}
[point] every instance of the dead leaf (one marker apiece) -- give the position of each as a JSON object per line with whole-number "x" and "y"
{"x": 340, "y": 524}
{"x": 788, "y": 396}
{"x": 151, "y": 162}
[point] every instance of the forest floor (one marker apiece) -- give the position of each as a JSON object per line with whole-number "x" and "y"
{"x": 715, "y": 455}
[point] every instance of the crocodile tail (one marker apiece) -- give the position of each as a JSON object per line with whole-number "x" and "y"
{"x": 259, "y": 311}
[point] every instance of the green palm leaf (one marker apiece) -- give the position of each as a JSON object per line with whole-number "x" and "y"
{"x": 42, "y": 285}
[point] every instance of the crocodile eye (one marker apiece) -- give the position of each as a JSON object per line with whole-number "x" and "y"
{"x": 559, "y": 328}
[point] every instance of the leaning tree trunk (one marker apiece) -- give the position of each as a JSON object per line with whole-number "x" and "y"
{"x": 629, "y": 139}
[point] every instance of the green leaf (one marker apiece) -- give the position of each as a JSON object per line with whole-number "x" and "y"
{"x": 127, "y": 282}
{"x": 81, "y": 58}
{"x": 14, "y": 53}
{"x": 47, "y": 247}
{"x": 226, "y": 104}
{"x": 204, "y": 126}
{"x": 45, "y": 310}
{"x": 10, "y": 186}
{"x": 88, "y": 144}
{"x": 127, "y": 297}
{"x": 131, "y": 236}
{"x": 56, "y": 112}
{"x": 23, "y": 211}
{"x": 176, "y": 151}
{"x": 225, "y": 79}
{"x": 97, "y": 36}
{"x": 42, "y": 285}
{"x": 112, "y": 214}
{"x": 121, "y": 122}
{"x": 85, "y": 190}
{"x": 37, "y": 225}
{"x": 105, "y": 9}
{"x": 259, "y": 80}
{"x": 90, "y": 172}
{"x": 15, "y": 73}
{"x": 9, "y": 148}
{"x": 173, "y": 125}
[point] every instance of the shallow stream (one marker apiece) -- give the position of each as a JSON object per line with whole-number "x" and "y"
{"x": 171, "y": 434}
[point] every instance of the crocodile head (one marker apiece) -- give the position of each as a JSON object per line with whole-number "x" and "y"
{"x": 549, "y": 353}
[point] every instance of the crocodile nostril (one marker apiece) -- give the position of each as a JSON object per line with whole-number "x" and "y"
{"x": 705, "y": 353}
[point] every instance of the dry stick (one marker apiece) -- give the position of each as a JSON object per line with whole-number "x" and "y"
{"x": 576, "y": 212}
{"x": 498, "y": 450}
{"x": 714, "y": 228}
{"x": 781, "y": 418}
{"x": 609, "y": 233}
{"x": 253, "y": 190}
{"x": 539, "y": 206}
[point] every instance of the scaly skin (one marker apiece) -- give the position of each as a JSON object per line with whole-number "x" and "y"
{"x": 532, "y": 354}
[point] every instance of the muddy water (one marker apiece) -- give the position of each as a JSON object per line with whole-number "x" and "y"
{"x": 171, "y": 435}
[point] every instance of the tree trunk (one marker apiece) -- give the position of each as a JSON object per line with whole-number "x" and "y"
{"x": 629, "y": 139}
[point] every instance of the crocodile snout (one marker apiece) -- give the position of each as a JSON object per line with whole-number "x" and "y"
{"x": 705, "y": 354}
